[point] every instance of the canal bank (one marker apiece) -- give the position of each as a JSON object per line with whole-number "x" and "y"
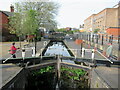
{"x": 28, "y": 49}
{"x": 95, "y": 73}
{"x": 76, "y": 49}
{"x": 101, "y": 76}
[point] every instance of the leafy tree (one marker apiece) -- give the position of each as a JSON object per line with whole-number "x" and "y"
{"x": 29, "y": 16}
{"x": 30, "y": 23}
{"x": 15, "y": 23}
{"x": 96, "y": 30}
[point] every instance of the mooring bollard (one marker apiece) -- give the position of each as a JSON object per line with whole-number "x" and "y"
{"x": 33, "y": 51}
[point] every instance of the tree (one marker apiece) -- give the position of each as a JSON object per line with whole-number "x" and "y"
{"x": 30, "y": 16}
{"x": 15, "y": 23}
{"x": 96, "y": 30}
{"x": 30, "y": 22}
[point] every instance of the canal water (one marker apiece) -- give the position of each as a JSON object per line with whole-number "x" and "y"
{"x": 58, "y": 48}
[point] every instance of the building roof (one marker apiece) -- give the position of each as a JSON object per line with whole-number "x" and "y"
{"x": 7, "y": 13}
{"x": 89, "y": 17}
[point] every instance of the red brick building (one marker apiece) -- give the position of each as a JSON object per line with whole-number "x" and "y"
{"x": 4, "y": 20}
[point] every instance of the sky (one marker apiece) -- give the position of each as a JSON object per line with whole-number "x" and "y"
{"x": 72, "y": 13}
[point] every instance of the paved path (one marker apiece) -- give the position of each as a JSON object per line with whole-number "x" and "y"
{"x": 110, "y": 75}
{"x": 5, "y": 46}
{"x": 28, "y": 50}
{"x": 71, "y": 44}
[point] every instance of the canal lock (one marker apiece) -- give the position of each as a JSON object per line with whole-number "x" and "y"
{"x": 60, "y": 75}
{"x": 51, "y": 71}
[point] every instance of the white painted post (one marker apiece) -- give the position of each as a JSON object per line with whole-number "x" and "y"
{"x": 81, "y": 63}
{"x": 23, "y": 53}
{"x": 93, "y": 55}
{"x": 33, "y": 51}
{"x": 83, "y": 49}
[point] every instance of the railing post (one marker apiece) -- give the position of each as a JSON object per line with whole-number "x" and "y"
{"x": 81, "y": 48}
{"x": 23, "y": 53}
{"x": 89, "y": 37}
{"x": 93, "y": 38}
{"x": 99, "y": 36}
{"x": 102, "y": 39}
{"x": 97, "y": 39}
{"x": 106, "y": 37}
{"x": 109, "y": 39}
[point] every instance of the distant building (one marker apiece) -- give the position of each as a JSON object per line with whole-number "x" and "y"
{"x": 81, "y": 28}
{"x": 109, "y": 17}
{"x": 68, "y": 28}
{"x": 4, "y": 20}
{"x": 88, "y": 23}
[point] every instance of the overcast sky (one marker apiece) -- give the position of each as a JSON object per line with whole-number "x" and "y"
{"x": 72, "y": 13}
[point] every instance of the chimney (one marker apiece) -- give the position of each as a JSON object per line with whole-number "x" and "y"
{"x": 12, "y": 8}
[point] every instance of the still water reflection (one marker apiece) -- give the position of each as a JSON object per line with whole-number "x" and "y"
{"x": 57, "y": 48}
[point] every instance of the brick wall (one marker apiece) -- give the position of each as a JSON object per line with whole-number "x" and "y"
{"x": 4, "y": 19}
